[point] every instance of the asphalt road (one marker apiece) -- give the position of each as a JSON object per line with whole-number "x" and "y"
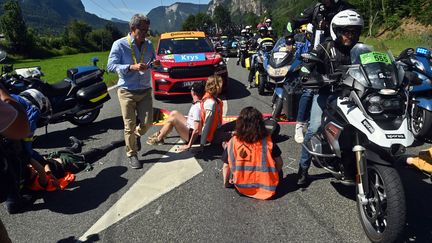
{"x": 196, "y": 207}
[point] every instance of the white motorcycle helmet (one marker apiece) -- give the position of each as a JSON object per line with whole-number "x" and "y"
{"x": 243, "y": 31}
{"x": 345, "y": 19}
{"x": 39, "y": 100}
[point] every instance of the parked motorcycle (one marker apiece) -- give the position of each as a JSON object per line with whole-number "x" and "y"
{"x": 282, "y": 70}
{"x": 419, "y": 61}
{"x": 78, "y": 98}
{"x": 361, "y": 133}
{"x": 261, "y": 58}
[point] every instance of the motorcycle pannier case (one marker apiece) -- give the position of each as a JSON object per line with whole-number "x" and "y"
{"x": 93, "y": 95}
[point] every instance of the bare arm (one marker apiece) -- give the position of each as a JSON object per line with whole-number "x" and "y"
{"x": 279, "y": 163}
{"x": 206, "y": 126}
{"x": 226, "y": 173}
{"x": 20, "y": 127}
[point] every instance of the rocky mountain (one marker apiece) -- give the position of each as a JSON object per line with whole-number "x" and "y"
{"x": 239, "y": 6}
{"x": 171, "y": 18}
{"x": 51, "y": 16}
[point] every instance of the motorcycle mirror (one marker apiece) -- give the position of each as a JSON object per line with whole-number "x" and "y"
{"x": 3, "y": 55}
{"x": 309, "y": 57}
{"x": 95, "y": 60}
{"x": 405, "y": 54}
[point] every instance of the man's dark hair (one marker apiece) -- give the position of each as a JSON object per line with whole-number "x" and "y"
{"x": 198, "y": 88}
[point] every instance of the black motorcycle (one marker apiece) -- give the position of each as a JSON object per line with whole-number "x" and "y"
{"x": 78, "y": 98}
{"x": 362, "y": 133}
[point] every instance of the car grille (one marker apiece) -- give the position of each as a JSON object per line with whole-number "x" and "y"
{"x": 178, "y": 88}
{"x": 191, "y": 72}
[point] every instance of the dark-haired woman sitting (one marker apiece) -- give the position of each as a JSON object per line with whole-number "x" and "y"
{"x": 252, "y": 163}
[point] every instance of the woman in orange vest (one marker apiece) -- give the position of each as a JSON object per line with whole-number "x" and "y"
{"x": 251, "y": 158}
{"x": 211, "y": 109}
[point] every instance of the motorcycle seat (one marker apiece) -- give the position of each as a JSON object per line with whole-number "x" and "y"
{"x": 60, "y": 88}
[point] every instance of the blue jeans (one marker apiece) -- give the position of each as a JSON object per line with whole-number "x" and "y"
{"x": 305, "y": 103}
{"x": 318, "y": 105}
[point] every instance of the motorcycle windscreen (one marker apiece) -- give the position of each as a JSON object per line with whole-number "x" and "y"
{"x": 378, "y": 68}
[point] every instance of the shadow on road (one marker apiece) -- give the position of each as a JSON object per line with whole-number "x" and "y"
{"x": 86, "y": 194}
{"x": 418, "y": 192}
{"x": 72, "y": 239}
{"x": 59, "y": 138}
{"x": 236, "y": 90}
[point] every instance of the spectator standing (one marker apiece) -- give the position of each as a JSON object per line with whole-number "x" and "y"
{"x": 131, "y": 57}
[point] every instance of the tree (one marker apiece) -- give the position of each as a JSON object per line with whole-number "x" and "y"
{"x": 15, "y": 29}
{"x": 77, "y": 34}
{"x": 222, "y": 17}
{"x": 189, "y": 23}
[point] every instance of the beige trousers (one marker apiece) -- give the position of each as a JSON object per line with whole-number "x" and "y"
{"x": 135, "y": 106}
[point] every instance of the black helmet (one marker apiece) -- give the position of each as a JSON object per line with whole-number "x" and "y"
{"x": 262, "y": 29}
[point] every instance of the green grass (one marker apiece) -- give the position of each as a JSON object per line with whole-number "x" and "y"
{"x": 55, "y": 68}
{"x": 397, "y": 45}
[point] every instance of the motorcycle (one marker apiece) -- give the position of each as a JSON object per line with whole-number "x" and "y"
{"x": 419, "y": 61}
{"x": 78, "y": 98}
{"x": 282, "y": 70}
{"x": 260, "y": 60}
{"x": 362, "y": 131}
{"x": 243, "y": 52}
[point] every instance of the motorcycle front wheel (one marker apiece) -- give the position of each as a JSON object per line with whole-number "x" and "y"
{"x": 383, "y": 216}
{"x": 86, "y": 118}
{"x": 277, "y": 108}
{"x": 421, "y": 123}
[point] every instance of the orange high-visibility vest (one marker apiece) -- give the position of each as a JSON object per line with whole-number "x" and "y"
{"x": 253, "y": 167}
{"x": 63, "y": 183}
{"x": 217, "y": 115}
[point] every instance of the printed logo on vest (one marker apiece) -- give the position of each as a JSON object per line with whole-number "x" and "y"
{"x": 245, "y": 153}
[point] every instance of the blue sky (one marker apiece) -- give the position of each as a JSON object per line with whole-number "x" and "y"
{"x": 124, "y": 9}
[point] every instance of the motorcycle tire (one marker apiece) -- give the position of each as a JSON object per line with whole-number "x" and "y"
{"x": 85, "y": 119}
{"x": 421, "y": 123}
{"x": 277, "y": 108}
{"x": 243, "y": 62}
{"x": 384, "y": 216}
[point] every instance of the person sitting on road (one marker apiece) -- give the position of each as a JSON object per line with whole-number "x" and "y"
{"x": 251, "y": 158}
{"x": 188, "y": 128}
{"x": 211, "y": 109}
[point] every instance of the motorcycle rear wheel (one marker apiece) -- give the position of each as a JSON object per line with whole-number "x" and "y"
{"x": 383, "y": 217}
{"x": 421, "y": 123}
{"x": 86, "y": 118}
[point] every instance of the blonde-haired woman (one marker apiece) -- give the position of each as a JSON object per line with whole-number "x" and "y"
{"x": 211, "y": 109}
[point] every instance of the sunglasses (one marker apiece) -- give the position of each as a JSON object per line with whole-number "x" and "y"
{"x": 350, "y": 32}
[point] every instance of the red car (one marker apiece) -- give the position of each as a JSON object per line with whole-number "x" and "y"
{"x": 186, "y": 57}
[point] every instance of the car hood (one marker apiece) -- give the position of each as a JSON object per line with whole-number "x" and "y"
{"x": 186, "y": 59}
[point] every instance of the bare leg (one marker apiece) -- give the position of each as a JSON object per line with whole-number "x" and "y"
{"x": 175, "y": 120}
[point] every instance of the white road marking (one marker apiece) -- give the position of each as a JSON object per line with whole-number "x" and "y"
{"x": 159, "y": 179}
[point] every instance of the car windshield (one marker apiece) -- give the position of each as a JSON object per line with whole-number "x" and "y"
{"x": 185, "y": 45}
{"x": 380, "y": 72}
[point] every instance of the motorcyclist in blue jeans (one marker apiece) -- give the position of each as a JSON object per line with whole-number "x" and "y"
{"x": 345, "y": 29}
{"x": 303, "y": 45}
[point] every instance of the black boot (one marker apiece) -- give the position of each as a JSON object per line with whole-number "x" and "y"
{"x": 303, "y": 177}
